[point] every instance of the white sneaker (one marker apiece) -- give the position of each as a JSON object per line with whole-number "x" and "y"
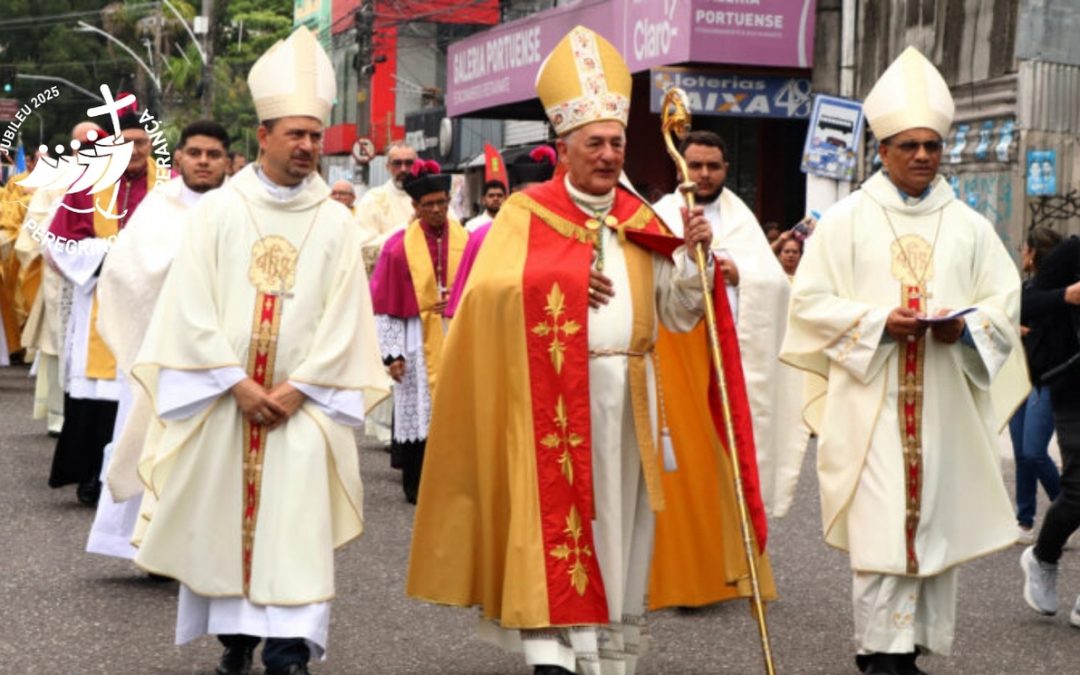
{"x": 1025, "y": 536}
{"x": 1040, "y": 583}
{"x": 1074, "y": 615}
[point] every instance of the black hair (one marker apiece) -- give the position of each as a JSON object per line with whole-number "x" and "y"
{"x": 1041, "y": 240}
{"x": 796, "y": 240}
{"x": 494, "y": 184}
{"x": 130, "y": 120}
{"x": 704, "y": 137}
{"x": 205, "y": 128}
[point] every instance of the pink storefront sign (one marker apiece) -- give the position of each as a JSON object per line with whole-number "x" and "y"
{"x": 499, "y": 66}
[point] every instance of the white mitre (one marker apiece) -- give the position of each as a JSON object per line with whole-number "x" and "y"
{"x": 910, "y": 94}
{"x": 293, "y": 78}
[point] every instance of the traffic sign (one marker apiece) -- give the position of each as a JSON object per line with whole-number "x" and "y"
{"x": 8, "y": 108}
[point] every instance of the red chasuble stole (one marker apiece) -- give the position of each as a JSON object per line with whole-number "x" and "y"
{"x": 260, "y": 367}
{"x": 555, "y": 295}
{"x": 911, "y": 402}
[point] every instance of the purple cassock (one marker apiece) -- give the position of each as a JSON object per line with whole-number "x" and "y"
{"x": 130, "y": 192}
{"x": 392, "y": 291}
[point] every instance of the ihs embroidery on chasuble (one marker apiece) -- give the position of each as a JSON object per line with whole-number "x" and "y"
{"x": 273, "y": 265}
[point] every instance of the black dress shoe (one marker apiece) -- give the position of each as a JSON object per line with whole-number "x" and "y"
{"x": 881, "y": 664}
{"x": 235, "y": 661}
{"x": 88, "y": 492}
{"x": 907, "y": 664}
{"x": 551, "y": 670}
{"x": 291, "y": 669}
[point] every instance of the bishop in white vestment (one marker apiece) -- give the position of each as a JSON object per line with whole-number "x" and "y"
{"x": 908, "y": 462}
{"x": 261, "y": 358}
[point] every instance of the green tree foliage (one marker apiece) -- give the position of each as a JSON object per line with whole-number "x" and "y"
{"x": 244, "y": 29}
{"x": 41, "y": 38}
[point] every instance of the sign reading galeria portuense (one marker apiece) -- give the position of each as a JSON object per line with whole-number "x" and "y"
{"x": 730, "y": 94}
{"x": 498, "y": 66}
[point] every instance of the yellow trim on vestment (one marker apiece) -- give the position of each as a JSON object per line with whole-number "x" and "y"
{"x": 100, "y": 362}
{"x": 639, "y": 269}
{"x": 426, "y": 286}
{"x": 493, "y": 439}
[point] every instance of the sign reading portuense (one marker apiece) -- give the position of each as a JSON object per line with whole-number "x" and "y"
{"x": 501, "y": 53}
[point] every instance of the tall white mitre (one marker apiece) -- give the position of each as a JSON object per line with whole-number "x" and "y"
{"x": 293, "y": 78}
{"x": 910, "y": 94}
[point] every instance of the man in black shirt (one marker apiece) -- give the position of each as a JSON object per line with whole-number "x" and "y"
{"x": 1053, "y": 305}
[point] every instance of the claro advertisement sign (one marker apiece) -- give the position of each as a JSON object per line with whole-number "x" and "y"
{"x": 499, "y": 66}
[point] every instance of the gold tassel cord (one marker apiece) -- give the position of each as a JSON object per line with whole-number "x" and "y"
{"x": 675, "y": 122}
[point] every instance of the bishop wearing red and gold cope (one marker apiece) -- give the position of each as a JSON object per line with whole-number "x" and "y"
{"x": 543, "y": 465}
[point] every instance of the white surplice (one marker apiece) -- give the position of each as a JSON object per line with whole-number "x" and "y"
{"x": 42, "y": 330}
{"x": 412, "y": 396}
{"x": 130, "y": 281}
{"x": 476, "y": 222}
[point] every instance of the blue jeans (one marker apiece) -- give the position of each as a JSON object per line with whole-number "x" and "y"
{"x": 1031, "y": 428}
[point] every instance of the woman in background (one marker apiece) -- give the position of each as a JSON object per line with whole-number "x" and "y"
{"x": 1033, "y": 423}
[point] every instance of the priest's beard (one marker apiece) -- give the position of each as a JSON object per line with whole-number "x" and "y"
{"x": 200, "y": 185}
{"x": 708, "y": 198}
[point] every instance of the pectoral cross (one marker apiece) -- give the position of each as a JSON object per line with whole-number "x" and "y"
{"x": 280, "y": 292}
{"x": 917, "y": 293}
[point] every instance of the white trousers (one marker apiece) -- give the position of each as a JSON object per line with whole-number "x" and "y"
{"x": 897, "y": 614}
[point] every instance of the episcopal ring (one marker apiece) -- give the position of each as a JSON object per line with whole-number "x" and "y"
{"x": 259, "y": 419}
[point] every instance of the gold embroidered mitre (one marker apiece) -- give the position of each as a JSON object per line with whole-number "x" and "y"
{"x": 584, "y": 79}
{"x": 293, "y": 78}
{"x": 910, "y": 94}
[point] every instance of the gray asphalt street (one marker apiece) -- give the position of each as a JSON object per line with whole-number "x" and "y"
{"x": 66, "y": 611}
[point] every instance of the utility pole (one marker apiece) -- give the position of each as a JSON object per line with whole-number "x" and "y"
{"x": 364, "y": 23}
{"x": 364, "y": 20}
{"x": 208, "y": 61}
{"x": 157, "y": 103}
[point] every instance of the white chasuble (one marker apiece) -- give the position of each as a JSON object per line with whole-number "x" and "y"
{"x": 907, "y": 457}
{"x": 275, "y": 287}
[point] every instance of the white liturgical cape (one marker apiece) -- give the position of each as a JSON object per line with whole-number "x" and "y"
{"x": 848, "y": 282}
{"x": 759, "y": 302}
{"x": 382, "y": 211}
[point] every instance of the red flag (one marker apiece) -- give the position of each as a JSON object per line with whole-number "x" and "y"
{"x": 494, "y": 166}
